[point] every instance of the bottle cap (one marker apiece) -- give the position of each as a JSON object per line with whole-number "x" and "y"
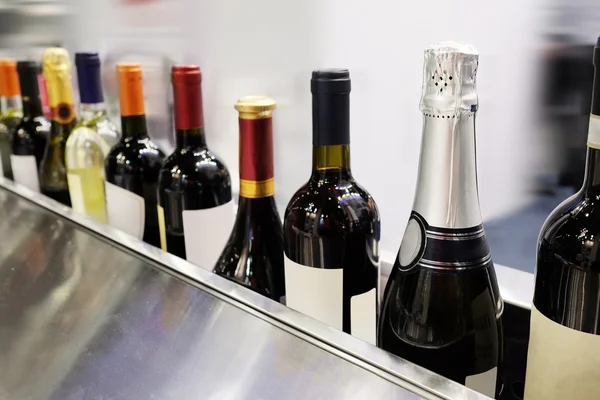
{"x": 255, "y": 107}
{"x": 87, "y": 59}
{"x": 28, "y": 78}
{"x": 88, "y": 77}
{"x": 57, "y": 63}
{"x": 449, "y": 73}
{"x": 330, "y": 90}
{"x": 332, "y": 81}
{"x": 131, "y": 91}
{"x": 187, "y": 96}
{"x": 9, "y": 78}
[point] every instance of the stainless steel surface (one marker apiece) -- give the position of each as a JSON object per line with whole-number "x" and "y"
{"x": 87, "y": 312}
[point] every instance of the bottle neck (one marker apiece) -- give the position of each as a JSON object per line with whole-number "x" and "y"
{"x": 193, "y": 138}
{"x": 257, "y": 178}
{"x": 189, "y": 118}
{"x": 90, "y": 83}
{"x": 333, "y": 160}
{"x": 32, "y": 107}
{"x": 30, "y": 91}
{"x": 92, "y": 111}
{"x": 591, "y": 180}
{"x": 446, "y": 193}
{"x": 12, "y": 105}
{"x": 134, "y": 127}
{"x": 331, "y": 133}
{"x": 61, "y": 101}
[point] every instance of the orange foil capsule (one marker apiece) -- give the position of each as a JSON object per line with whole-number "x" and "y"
{"x": 9, "y": 79}
{"x": 131, "y": 90}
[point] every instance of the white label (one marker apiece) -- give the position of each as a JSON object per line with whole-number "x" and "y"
{"x": 594, "y": 132}
{"x": 562, "y": 363}
{"x": 25, "y": 172}
{"x": 316, "y": 292}
{"x": 484, "y": 383}
{"x": 363, "y": 310}
{"x": 76, "y": 193}
{"x": 206, "y": 233}
{"x": 125, "y": 210}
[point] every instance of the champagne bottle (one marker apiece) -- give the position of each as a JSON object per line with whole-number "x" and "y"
{"x": 253, "y": 256}
{"x": 31, "y": 135}
{"x": 564, "y": 339}
{"x": 53, "y": 171}
{"x": 441, "y": 307}
{"x": 132, "y": 166}
{"x": 10, "y": 114}
{"x": 87, "y": 146}
{"x": 195, "y": 210}
{"x": 331, "y": 224}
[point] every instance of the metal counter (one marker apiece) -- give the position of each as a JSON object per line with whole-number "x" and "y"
{"x": 87, "y": 312}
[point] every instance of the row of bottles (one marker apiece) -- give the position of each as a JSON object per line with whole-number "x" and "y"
{"x": 441, "y": 307}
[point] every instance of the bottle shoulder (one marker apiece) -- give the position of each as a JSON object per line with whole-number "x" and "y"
{"x": 36, "y": 126}
{"x": 135, "y": 150}
{"x": 194, "y": 167}
{"x": 572, "y": 230}
{"x": 343, "y": 204}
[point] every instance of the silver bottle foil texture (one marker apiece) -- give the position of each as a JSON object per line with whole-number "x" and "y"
{"x": 446, "y": 204}
{"x": 449, "y": 73}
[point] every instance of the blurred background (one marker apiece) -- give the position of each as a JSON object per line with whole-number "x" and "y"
{"x": 534, "y": 85}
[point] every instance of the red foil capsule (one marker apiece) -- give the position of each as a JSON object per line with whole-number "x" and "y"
{"x": 187, "y": 96}
{"x": 256, "y": 147}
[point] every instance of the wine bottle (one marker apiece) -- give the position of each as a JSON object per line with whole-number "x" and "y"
{"x": 87, "y": 147}
{"x": 564, "y": 339}
{"x": 331, "y": 224}
{"x": 132, "y": 166}
{"x": 195, "y": 210}
{"x": 10, "y": 114}
{"x": 53, "y": 172}
{"x": 253, "y": 256}
{"x": 441, "y": 307}
{"x": 31, "y": 135}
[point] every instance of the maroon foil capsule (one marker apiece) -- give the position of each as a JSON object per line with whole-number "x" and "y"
{"x": 187, "y": 95}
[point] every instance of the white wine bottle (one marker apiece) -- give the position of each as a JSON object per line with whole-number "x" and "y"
{"x": 442, "y": 307}
{"x": 564, "y": 341}
{"x": 86, "y": 147}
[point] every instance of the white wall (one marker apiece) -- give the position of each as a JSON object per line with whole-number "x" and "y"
{"x": 271, "y": 46}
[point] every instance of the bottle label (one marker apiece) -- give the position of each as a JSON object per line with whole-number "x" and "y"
{"x": 206, "y": 233}
{"x": 256, "y": 158}
{"x": 161, "y": 227}
{"x": 1, "y": 168}
{"x": 125, "y": 210}
{"x": 562, "y": 363}
{"x": 77, "y": 202}
{"x": 25, "y": 172}
{"x": 484, "y": 383}
{"x": 363, "y": 309}
{"x": 594, "y": 132}
{"x": 427, "y": 246}
{"x": 319, "y": 293}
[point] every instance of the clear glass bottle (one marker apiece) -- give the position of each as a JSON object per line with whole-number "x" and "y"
{"x": 90, "y": 142}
